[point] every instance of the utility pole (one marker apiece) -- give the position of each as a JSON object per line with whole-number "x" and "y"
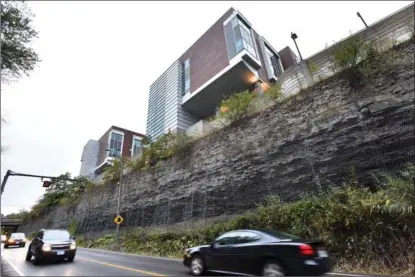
{"x": 117, "y": 228}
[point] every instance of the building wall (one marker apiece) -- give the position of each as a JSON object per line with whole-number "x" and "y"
{"x": 89, "y": 158}
{"x": 126, "y": 146}
{"x": 208, "y": 55}
{"x": 164, "y": 105}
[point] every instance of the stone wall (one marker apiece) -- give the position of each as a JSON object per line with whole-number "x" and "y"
{"x": 313, "y": 140}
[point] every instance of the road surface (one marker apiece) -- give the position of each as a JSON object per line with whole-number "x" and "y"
{"x": 95, "y": 262}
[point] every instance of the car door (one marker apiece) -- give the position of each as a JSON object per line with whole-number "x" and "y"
{"x": 244, "y": 256}
{"x": 219, "y": 259}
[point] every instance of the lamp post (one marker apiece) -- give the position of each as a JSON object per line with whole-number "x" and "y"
{"x": 117, "y": 227}
{"x": 360, "y": 16}
{"x": 294, "y": 37}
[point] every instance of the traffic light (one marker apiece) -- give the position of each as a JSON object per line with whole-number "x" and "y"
{"x": 47, "y": 184}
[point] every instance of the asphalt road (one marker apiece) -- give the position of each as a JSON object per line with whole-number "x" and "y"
{"x": 95, "y": 262}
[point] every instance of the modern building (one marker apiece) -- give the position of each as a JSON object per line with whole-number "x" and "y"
{"x": 229, "y": 57}
{"x": 116, "y": 142}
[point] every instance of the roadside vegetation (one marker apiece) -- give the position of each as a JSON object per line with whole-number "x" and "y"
{"x": 366, "y": 231}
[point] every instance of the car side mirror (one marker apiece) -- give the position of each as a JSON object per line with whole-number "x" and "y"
{"x": 73, "y": 237}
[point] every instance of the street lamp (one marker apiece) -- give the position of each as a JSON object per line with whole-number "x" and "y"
{"x": 117, "y": 228}
{"x": 360, "y": 16}
{"x": 294, "y": 37}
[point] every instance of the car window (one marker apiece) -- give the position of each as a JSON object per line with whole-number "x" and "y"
{"x": 227, "y": 239}
{"x": 247, "y": 237}
{"x": 17, "y": 236}
{"x": 56, "y": 235}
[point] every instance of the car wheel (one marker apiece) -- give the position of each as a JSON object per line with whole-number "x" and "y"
{"x": 23, "y": 245}
{"x": 272, "y": 269}
{"x": 197, "y": 266}
{"x": 70, "y": 259}
{"x": 6, "y": 246}
{"x": 28, "y": 255}
{"x": 36, "y": 259}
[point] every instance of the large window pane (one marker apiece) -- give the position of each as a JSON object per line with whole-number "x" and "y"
{"x": 229, "y": 38}
{"x": 228, "y": 28}
{"x": 237, "y": 32}
{"x": 239, "y": 45}
{"x": 234, "y": 21}
{"x": 231, "y": 50}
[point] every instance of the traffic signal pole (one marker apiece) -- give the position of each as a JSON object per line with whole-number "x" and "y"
{"x": 12, "y": 173}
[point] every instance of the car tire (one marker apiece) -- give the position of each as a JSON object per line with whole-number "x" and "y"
{"x": 28, "y": 256}
{"x": 272, "y": 268}
{"x": 197, "y": 265}
{"x": 6, "y": 246}
{"x": 24, "y": 245}
{"x": 70, "y": 259}
{"x": 36, "y": 259}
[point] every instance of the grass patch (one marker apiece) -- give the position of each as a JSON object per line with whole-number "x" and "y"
{"x": 370, "y": 231}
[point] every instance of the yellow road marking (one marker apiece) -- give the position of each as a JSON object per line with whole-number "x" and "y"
{"x": 123, "y": 267}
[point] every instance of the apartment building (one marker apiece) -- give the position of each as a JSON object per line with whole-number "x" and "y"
{"x": 229, "y": 57}
{"x": 114, "y": 143}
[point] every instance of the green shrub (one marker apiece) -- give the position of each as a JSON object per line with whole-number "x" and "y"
{"x": 163, "y": 148}
{"x": 274, "y": 92}
{"x": 236, "y": 106}
{"x": 373, "y": 231}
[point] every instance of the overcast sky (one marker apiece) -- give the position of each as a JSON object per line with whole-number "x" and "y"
{"x": 99, "y": 59}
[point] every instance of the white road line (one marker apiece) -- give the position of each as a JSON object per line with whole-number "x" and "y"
{"x": 13, "y": 266}
{"x": 131, "y": 254}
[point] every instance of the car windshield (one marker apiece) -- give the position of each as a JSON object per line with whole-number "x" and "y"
{"x": 17, "y": 236}
{"x": 280, "y": 235}
{"x": 56, "y": 235}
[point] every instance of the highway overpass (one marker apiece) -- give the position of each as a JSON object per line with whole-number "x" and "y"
{"x": 10, "y": 225}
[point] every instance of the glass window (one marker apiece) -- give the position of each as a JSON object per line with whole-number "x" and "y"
{"x": 234, "y": 21}
{"x": 238, "y": 37}
{"x": 227, "y": 239}
{"x": 186, "y": 76}
{"x": 17, "y": 235}
{"x": 136, "y": 146}
{"x": 115, "y": 145}
{"x": 229, "y": 38}
{"x": 228, "y": 28}
{"x": 56, "y": 235}
{"x": 231, "y": 50}
{"x": 247, "y": 237}
{"x": 237, "y": 32}
{"x": 239, "y": 45}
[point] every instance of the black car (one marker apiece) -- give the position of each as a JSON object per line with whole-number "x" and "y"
{"x": 261, "y": 253}
{"x": 51, "y": 245}
{"x": 15, "y": 239}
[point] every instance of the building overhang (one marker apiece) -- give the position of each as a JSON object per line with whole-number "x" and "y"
{"x": 100, "y": 168}
{"x": 239, "y": 76}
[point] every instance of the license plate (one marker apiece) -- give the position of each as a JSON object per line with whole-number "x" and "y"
{"x": 16, "y": 242}
{"x": 60, "y": 253}
{"x": 322, "y": 253}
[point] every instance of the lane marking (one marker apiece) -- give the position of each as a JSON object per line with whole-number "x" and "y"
{"x": 123, "y": 267}
{"x": 130, "y": 254}
{"x": 12, "y": 266}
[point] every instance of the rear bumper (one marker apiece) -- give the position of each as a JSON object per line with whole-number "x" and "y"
{"x": 311, "y": 267}
{"x": 56, "y": 255}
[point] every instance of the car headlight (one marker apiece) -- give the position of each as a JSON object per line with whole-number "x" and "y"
{"x": 73, "y": 245}
{"x": 46, "y": 247}
{"x": 11, "y": 240}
